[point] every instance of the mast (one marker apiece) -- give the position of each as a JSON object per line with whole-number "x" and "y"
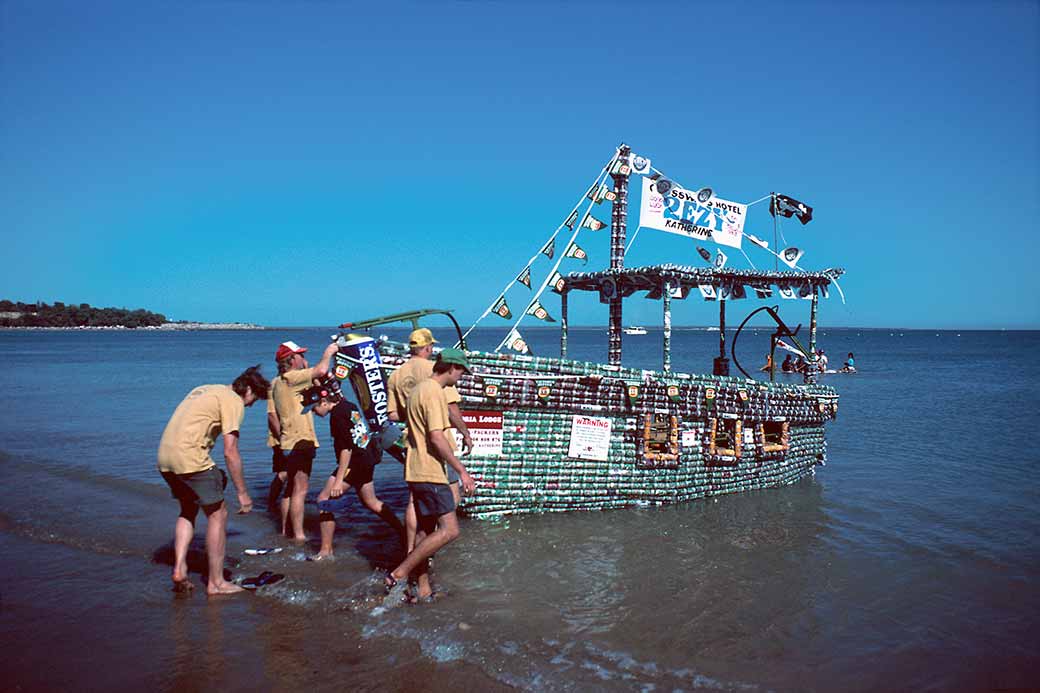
{"x": 618, "y": 225}
{"x": 563, "y": 324}
{"x": 810, "y": 375}
{"x": 666, "y": 300}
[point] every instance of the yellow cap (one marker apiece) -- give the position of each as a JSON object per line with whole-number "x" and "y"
{"x": 421, "y": 337}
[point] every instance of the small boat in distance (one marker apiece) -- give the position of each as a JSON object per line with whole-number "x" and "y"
{"x": 634, "y": 329}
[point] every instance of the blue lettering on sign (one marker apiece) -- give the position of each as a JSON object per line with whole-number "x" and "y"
{"x": 671, "y": 207}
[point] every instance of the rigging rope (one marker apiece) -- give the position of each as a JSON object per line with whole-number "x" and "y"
{"x": 577, "y": 225}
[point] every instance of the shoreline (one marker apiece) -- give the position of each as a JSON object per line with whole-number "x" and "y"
{"x": 165, "y": 327}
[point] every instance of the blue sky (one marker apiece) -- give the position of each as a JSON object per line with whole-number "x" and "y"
{"x": 306, "y": 163}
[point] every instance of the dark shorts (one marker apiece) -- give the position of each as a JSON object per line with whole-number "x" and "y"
{"x": 431, "y": 500}
{"x": 201, "y": 488}
{"x": 277, "y": 460}
{"x": 300, "y": 458}
{"x": 361, "y": 470}
{"x": 453, "y": 476}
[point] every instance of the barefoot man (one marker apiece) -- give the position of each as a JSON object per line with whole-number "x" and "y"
{"x": 193, "y": 477}
{"x": 430, "y": 450}
{"x": 417, "y": 368}
{"x": 356, "y": 458}
{"x": 298, "y": 440}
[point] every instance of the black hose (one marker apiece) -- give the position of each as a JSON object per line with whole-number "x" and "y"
{"x": 733, "y": 344}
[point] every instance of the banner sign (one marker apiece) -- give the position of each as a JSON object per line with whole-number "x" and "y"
{"x": 590, "y": 438}
{"x": 679, "y": 212}
{"x": 485, "y": 429}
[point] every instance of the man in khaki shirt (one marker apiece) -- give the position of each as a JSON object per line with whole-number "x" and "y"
{"x": 429, "y": 451}
{"x": 400, "y": 384}
{"x": 193, "y": 477}
{"x": 298, "y": 441}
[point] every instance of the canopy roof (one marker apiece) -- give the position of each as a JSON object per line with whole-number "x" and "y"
{"x": 683, "y": 278}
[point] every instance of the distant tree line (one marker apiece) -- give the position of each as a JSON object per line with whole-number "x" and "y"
{"x": 82, "y": 315}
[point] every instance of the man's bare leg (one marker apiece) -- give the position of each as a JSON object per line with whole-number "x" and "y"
{"x": 367, "y": 495}
{"x": 183, "y": 531}
{"x": 216, "y": 543}
{"x": 301, "y": 481}
{"x": 447, "y": 531}
{"x": 411, "y": 524}
{"x": 327, "y": 523}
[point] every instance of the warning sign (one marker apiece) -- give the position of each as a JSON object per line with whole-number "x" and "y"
{"x": 590, "y": 438}
{"x": 485, "y": 428}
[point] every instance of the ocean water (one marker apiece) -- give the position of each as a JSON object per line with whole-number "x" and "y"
{"x": 906, "y": 562}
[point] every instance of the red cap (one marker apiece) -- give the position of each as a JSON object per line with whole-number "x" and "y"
{"x": 287, "y": 349}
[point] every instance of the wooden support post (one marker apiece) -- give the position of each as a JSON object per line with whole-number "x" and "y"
{"x": 666, "y": 299}
{"x": 618, "y": 225}
{"x": 810, "y": 376}
{"x": 563, "y": 325}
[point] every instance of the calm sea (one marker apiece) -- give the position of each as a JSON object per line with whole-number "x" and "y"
{"x": 906, "y": 563}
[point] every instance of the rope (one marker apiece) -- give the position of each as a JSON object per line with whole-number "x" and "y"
{"x": 534, "y": 257}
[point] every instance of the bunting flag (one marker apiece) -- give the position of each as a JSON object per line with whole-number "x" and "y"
{"x": 557, "y": 282}
{"x": 571, "y": 219}
{"x": 501, "y": 308}
{"x": 825, "y": 291}
{"x": 515, "y": 342}
{"x": 525, "y": 277}
{"x": 790, "y": 207}
{"x": 758, "y": 241}
{"x": 544, "y": 389}
{"x": 592, "y": 192}
{"x": 575, "y": 251}
{"x": 737, "y": 292}
{"x": 549, "y": 249}
{"x": 704, "y": 254}
{"x": 707, "y": 291}
{"x": 540, "y": 312}
{"x": 791, "y": 256}
{"x": 672, "y": 391}
{"x": 591, "y": 222}
{"x": 781, "y": 344}
{"x": 709, "y": 398}
{"x": 785, "y": 292}
{"x": 763, "y": 290}
{"x": 604, "y": 193}
{"x": 640, "y": 165}
{"x": 621, "y": 168}
{"x": 720, "y": 259}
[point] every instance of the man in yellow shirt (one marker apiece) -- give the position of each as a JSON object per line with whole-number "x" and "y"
{"x": 193, "y": 477}
{"x": 298, "y": 441}
{"x": 429, "y": 453}
{"x": 400, "y": 384}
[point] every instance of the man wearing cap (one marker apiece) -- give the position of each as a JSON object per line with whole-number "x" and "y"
{"x": 400, "y": 384}
{"x": 193, "y": 477}
{"x": 297, "y": 440}
{"x": 429, "y": 453}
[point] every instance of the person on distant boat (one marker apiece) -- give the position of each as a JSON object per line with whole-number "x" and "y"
{"x": 298, "y": 440}
{"x": 850, "y": 364}
{"x": 402, "y": 382}
{"x": 821, "y": 361}
{"x": 356, "y": 458}
{"x": 769, "y": 363}
{"x": 788, "y": 366}
{"x": 194, "y": 478}
{"x": 430, "y": 451}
